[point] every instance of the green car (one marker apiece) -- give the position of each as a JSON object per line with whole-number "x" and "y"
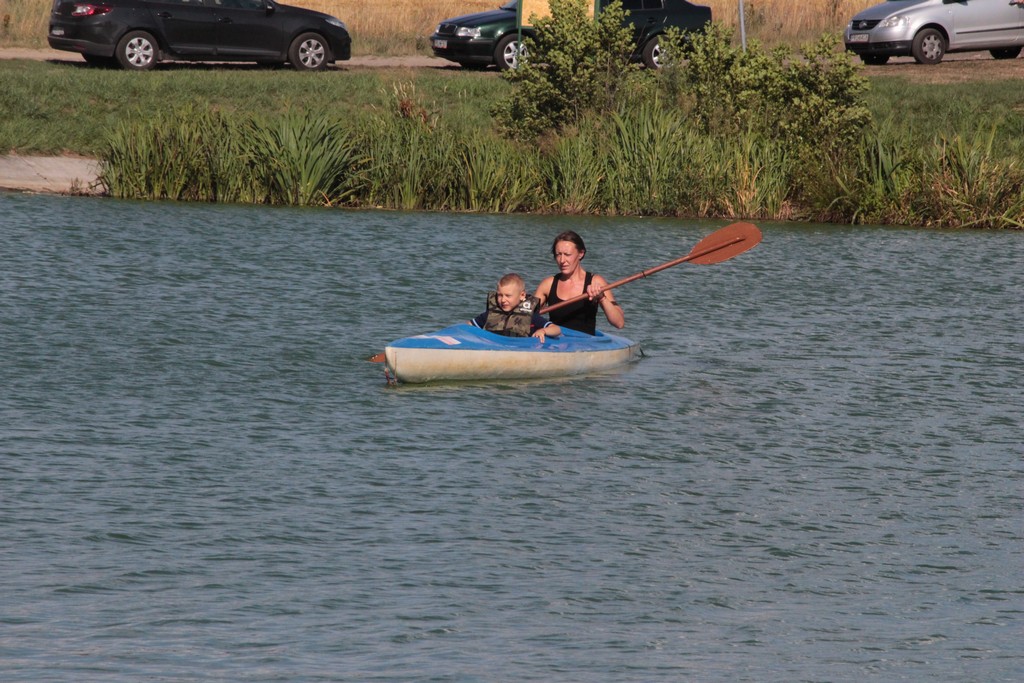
{"x": 486, "y": 38}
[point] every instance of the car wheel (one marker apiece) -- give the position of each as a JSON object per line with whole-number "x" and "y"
{"x": 137, "y": 51}
{"x": 874, "y": 60}
{"x": 928, "y": 47}
{"x": 507, "y": 51}
{"x": 1005, "y": 52}
{"x": 653, "y": 54}
{"x": 309, "y": 52}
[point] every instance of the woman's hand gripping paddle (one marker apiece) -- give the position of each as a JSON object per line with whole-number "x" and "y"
{"x": 719, "y": 246}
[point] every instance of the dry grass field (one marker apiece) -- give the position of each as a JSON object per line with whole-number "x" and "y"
{"x": 397, "y": 27}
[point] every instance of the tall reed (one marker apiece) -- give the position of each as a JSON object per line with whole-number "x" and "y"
{"x": 761, "y": 179}
{"x": 873, "y": 183}
{"x": 643, "y": 160}
{"x": 576, "y": 175}
{"x": 301, "y": 159}
{"x": 966, "y": 187}
{"x": 652, "y": 160}
{"x": 498, "y": 176}
{"x": 190, "y": 155}
{"x": 201, "y": 155}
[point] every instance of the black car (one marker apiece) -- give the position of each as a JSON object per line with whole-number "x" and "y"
{"x": 139, "y": 33}
{"x": 492, "y": 37}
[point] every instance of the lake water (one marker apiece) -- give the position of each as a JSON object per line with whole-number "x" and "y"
{"x": 814, "y": 474}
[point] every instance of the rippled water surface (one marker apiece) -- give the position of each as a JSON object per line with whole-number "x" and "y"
{"x": 815, "y": 474}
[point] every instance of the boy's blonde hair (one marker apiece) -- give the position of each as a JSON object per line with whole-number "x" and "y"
{"x": 512, "y": 279}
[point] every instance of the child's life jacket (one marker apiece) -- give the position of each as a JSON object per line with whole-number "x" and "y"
{"x": 514, "y": 323}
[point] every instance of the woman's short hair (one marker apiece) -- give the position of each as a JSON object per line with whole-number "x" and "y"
{"x": 569, "y": 236}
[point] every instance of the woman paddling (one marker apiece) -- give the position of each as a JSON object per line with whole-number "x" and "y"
{"x": 571, "y": 281}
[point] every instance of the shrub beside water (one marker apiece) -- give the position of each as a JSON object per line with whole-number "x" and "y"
{"x": 193, "y": 155}
{"x": 643, "y": 161}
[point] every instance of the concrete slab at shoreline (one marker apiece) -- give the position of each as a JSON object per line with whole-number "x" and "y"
{"x": 62, "y": 175}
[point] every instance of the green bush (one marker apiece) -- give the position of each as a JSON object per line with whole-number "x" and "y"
{"x": 811, "y": 100}
{"x": 575, "y": 64}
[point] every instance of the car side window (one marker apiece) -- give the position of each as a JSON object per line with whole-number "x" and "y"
{"x": 641, "y": 4}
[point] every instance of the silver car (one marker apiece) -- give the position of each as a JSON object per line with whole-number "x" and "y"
{"x": 928, "y": 29}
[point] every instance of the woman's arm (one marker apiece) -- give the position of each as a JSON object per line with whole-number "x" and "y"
{"x": 543, "y": 288}
{"x": 612, "y": 310}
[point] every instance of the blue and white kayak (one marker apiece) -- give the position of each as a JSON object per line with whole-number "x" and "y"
{"x": 465, "y": 352}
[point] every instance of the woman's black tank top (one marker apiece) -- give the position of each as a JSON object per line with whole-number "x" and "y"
{"x": 580, "y": 316}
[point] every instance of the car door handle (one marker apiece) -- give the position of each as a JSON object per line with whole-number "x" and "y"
{"x": 164, "y": 15}
{"x": 224, "y": 20}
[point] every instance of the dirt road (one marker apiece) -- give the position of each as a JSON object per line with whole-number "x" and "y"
{"x": 955, "y": 68}
{"x": 413, "y": 61}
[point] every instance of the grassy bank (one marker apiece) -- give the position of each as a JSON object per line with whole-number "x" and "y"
{"x": 40, "y": 99}
{"x": 55, "y": 109}
{"x": 424, "y": 139}
{"x": 402, "y": 26}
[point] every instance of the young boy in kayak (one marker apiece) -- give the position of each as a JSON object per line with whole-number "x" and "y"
{"x": 512, "y": 313}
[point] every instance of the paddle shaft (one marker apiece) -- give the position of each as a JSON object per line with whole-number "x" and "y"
{"x": 650, "y": 271}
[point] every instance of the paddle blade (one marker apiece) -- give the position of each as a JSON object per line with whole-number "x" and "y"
{"x": 723, "y": 244}
{"x": 377, "y": 358}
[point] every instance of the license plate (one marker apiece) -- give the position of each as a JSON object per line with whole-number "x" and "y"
{"x": 57, "y": 32}
{"x": 859, "y": 37}
{"x": 441, "y": 44}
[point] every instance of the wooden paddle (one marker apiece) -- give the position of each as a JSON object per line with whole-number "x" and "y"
{"x": 719, "y": 246}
